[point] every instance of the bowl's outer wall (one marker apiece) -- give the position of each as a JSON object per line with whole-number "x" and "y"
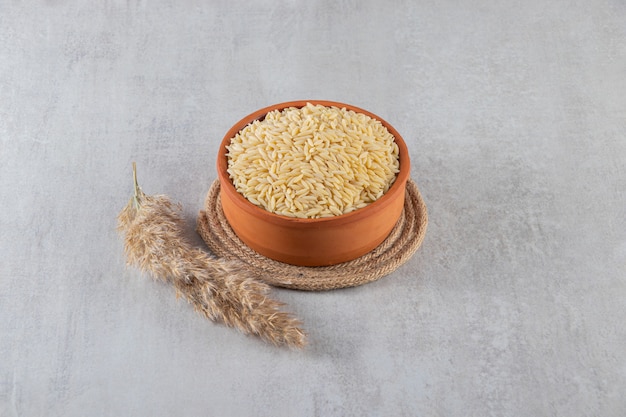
{"x": 327, "y": 244}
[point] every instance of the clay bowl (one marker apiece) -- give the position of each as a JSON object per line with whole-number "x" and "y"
{"x": 311, "y": 242}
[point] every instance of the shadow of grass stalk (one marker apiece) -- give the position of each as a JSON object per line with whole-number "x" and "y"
{"x": 218, "y": 289}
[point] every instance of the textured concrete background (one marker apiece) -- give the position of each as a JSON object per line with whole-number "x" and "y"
{"x": 515, "y": 115}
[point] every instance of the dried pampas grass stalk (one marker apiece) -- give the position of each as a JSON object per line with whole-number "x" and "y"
{"x": 218, "y": 289}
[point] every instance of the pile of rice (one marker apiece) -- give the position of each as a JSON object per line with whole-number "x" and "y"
{"x": 314, "y": 161}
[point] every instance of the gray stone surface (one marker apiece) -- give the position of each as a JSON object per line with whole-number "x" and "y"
{"x": 515, "y": 115}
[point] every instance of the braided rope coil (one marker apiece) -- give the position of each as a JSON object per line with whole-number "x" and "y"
{"x": 403, "y": 241}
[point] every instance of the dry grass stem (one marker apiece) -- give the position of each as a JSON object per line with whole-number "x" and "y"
{"x": 218, "y": 289}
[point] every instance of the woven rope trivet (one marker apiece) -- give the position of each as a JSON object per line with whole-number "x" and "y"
{"x": 405, "y": 238}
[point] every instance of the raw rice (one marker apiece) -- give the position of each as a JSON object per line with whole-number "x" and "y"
{"x": 314, "y": 161}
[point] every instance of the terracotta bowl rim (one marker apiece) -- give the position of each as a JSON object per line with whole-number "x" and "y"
{"x": 244, "y": 204}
